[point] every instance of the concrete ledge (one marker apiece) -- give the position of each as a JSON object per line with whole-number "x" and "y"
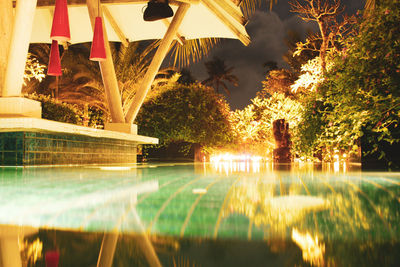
{"x": 121, "y": 127}
{"x": 20, "y": 107}
{"x": 24, "y": 124}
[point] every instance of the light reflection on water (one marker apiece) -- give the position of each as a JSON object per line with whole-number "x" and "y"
{"x": 230, "y": 214}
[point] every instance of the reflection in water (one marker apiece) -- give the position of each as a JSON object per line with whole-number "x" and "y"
{"x": 313, "y": 251}
{"x": 258, "y": 201}
{"x": 238, "y": 214}
{"x": 31, "y": 251}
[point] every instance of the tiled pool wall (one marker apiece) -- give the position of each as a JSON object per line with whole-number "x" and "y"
{"x": 25, "y": 148}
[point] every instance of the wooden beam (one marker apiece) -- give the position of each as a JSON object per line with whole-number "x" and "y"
{"x": 46, "y": 3}
{"x": 115, "y": 26}
{"x": 233, "y": 10}
{"x": 107, "y": 249}
{"x": 228, "y": 21}
{"x": 107, "y": 71}
{"x": 179, "y": 38}
{"x": 156, "y": 62}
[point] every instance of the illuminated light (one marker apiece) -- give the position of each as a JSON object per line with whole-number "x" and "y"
{"x": 33, "y": 251}
{"x": 199, "y": 191}
{"x": 110, "y": 168}
{"x": 226, "y": 169}
{"x": 344, "y": 155}
{"x": 336, "y": 156}
{"x": 336, "y": 166}
{"x": 313, "y": 251}
{"x": 256, "y": 167}
{"x": 242, "y": 166}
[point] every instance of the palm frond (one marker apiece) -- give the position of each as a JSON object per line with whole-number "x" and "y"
{"x": 370, "y": 5}
{"x": 191, "y": 51}
{"x": 250, "y": 6}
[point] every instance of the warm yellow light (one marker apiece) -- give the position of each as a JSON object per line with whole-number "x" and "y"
{"x": 313, "y": 251}
{"x": 112, "y": 168}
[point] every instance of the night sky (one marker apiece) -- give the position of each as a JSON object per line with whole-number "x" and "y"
{"x": 267, "y": 30}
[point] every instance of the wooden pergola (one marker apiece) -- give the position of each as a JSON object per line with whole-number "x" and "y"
{"x": 15, "y": 32}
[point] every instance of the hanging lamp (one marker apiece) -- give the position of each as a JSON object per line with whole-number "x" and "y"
{"x": 157, "y": 10}
{"x": 98, "y": 50}
{"x": 60, "y": 28}
{"x": 54, "y": 66}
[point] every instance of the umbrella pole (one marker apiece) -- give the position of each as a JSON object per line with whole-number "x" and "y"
{"x": 156, "y": 62}
{"x": 107, "y": 70}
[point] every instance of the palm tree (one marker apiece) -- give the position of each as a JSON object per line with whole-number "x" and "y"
{"x": 81, "y": 82}
{"x": 218, "y": 73}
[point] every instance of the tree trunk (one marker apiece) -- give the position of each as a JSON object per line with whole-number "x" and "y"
{"x": 282, "y": 142}
{"x": 324, "y": 45}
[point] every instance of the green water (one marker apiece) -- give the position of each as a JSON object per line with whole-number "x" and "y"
{"x": 205, "y": 215}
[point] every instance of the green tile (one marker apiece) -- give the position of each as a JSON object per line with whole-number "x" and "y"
{"x": 10, "y": 158}
{"x": 10, "y": 144}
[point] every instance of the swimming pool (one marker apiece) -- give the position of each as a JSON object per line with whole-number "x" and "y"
{"x": 205, "y": 215}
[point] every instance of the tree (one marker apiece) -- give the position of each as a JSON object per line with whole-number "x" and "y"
{"x": 218, "y": 73}
{"x": 82, "y": 83}
{"x": 295, "y": 59}
{"x": 325, "y": 13}
{"x": 252, "y": 126}
{"x": 186, "y": 77}
{"x": 278, "y": 81}
{"x": 360, "y": 93}
{"x": 190, "y": 113}
{"x": 33, "y": 69}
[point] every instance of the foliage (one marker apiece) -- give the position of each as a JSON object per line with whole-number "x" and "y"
{"x": 311, "y": 76}
{"x": 310, "y": 128}
{"x": 294, "y": 59}
{"x": 192, "y": 50}
{"x": 33, "y": 69}
{"x": 332, "y": 29}
{"x": 278, "y": 81}
{"x": 186, "y": 113}
{"x": 360, "y": 93}
{"x": 55, "y": 110}
{"x": 253, "y": 125}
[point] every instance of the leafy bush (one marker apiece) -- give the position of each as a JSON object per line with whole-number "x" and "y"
{"x": 190, "y": 113}
{"x": 360, "y": 94}
{"x": 253, "y": 125}
{"x": 58, "y": 111}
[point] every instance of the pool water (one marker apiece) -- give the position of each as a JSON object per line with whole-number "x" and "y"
{"x": 231, "y": 214}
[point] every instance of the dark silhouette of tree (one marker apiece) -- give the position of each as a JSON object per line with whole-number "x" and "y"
{"x": 270, "y": 65}
{"x": 218, "y": 72}
{"x": 186, "y": 77}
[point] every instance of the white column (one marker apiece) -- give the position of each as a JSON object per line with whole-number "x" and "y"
{"x": 6, "y": 15}
{"x": 156, "y": 63}
{"x": 19, "y": 46}
{"x": 107, "y": 70}
{"x": 9, "y": 252}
